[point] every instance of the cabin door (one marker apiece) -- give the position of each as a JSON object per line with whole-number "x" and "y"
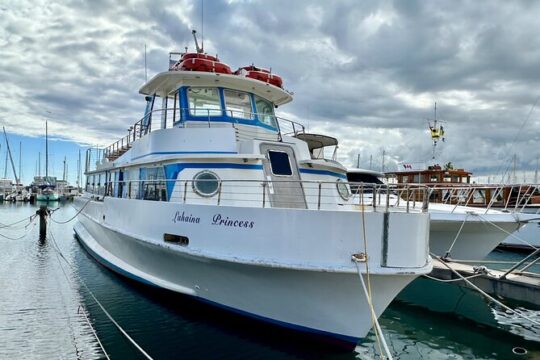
{"x": 280, "y": 168}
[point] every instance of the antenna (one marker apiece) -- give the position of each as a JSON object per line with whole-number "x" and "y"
{"x": 145, "y": 71}
{"x": 202, "y": 24}
{"x": 200, "y": 50}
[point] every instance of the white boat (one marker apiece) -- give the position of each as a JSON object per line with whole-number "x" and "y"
{"x": 526, "y": 237}
{"x": 214, "y": 197}
{"x": 461, "y": 232}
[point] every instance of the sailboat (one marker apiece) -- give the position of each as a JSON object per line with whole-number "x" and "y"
{"x": 48, "y": 191}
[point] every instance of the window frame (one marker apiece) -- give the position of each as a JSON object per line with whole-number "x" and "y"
{"x": 272, "y": 166}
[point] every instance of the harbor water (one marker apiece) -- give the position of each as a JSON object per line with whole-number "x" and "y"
{"x": 47, "y": 310}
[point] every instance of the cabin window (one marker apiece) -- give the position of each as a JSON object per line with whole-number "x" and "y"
{"x": 204, "y": 101}
{"x": 206, "y": 183}
{"x": 153, "y": 184}
{"x": 265, "y": 111}
{"x": 238, "y": 104}
{"x": 280, "y": 163}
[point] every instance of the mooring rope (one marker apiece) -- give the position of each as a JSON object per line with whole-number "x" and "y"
{"x": 379, "y": 335}
{"x": 57, "y": 252}
{"x": 508, "y": 233}
{"x": 126, "y": 335}
{"x": 3, "y": 226}
{"x": 26, "y": 232}
{"x": 451, "y": 280}
{"x": 489, "y": 297}
{"x": 457, "y": 236}
{"x": 74, "y": 216}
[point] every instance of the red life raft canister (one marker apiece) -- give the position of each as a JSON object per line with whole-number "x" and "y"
{"x": 260, "y": 74}
{"x": 201, "y": 62}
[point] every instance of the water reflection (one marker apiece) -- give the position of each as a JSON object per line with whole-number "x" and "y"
{"x": 38, "y": 305}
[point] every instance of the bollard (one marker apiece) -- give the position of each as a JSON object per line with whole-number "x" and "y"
{"x": 43, "y": 212}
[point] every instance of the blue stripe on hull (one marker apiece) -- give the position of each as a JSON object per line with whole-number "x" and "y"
{"x": 342, "y": 341}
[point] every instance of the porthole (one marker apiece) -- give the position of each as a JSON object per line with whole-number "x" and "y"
{"x": 206, "y": 183}
{"x": 343, "y": 190}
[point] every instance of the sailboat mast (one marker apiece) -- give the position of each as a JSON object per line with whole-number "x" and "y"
{"x": 5, "y": 165}
{"x": 64, "y": 174}
{"x": 79, "y": 170}
{"x": 20, "y": 158}
{"x": 39, "y": 164}
{"x": 10, "y": 157}
{"x": 46, "y": 150}
{"x": 536, "y": 172}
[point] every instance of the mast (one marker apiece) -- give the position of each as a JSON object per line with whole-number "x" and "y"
{"x": 39, "y": 164}
{"x": 536, "y": 171}
{"x": 46, "y": 150}
{"x": 10, "y": 157}
{"x": 20, "y": 158}
{"x": 514, "y": 169}
{"x": 64, "y": 174}
{"x": 5, "y": 167}
{"x": 79, "y": 170}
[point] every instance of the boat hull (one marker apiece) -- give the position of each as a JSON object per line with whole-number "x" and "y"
{"x": 474, "y": 240}
{"x": 325, "y": 302}
{"x": 47, "y": 197}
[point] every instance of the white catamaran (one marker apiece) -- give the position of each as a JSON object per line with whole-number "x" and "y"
{"x": 213, "y": 196}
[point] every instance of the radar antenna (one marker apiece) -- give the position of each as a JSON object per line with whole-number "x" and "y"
{"x": 200, "y": 50}
{"x": 436, "y": 131}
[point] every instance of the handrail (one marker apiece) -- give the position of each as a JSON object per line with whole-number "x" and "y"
{"x": 317, "y": 195}
{"x": 144, "y": 125}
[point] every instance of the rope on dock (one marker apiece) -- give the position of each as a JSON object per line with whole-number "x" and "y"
{"x": 489, "y": 297}
{"x": 74, "y": 216}
{"x": 126, "y": 335}
{"x": 451, "y": 280}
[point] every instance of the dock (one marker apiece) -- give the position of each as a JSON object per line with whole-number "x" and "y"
{"x": 517, "y": 285}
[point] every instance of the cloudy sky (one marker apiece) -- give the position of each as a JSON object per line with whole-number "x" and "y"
{"x": 366, "y": 72}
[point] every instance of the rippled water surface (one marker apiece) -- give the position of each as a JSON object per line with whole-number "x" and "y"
{"x": 43, "y": 302}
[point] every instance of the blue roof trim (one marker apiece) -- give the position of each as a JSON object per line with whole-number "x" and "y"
{"x": 323, "y": 172}
{"x": 172, "y": 171}
{"x": 182, "y": 152}
{"x": 106, "y": 263}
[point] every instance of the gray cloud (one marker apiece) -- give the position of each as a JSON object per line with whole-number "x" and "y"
{"x": 366, "y": 72}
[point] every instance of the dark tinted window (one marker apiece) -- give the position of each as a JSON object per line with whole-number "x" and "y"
{"x": 280, "y": 163}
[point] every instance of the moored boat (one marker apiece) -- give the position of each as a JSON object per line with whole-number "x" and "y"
{"x": 456, "y": 229}
{"x": 214, "y": 196}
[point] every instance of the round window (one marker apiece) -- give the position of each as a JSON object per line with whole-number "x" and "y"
{"x": 343, "y": 189}
{"x": 206, "y": 183}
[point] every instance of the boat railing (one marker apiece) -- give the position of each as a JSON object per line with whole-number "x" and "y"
{"x": 315, "y": 195}
{"x": 171, "y": 117}
{"x": 501, "y": 197}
